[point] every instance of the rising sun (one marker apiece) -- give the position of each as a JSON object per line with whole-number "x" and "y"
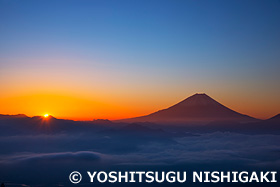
{"x": 46, "y": 115}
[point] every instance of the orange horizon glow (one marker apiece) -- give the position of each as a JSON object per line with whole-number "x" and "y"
{"x": 81, "y": 93}
{"x": 87, "y": 109}
{"x": 64, "y": 107}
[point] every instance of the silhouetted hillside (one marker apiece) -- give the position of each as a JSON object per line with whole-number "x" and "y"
{"x": 275, "y": 118}
{"x": 196, "y": 108}
{"x": 21, "y": 124}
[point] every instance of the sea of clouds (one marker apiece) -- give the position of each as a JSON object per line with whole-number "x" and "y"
{"x": 27, "y": 159}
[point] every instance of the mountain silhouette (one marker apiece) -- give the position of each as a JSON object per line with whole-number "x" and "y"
{"x": 196, "y": 108}
{"x": 275, "y": 118}
{"x": 17, "y": 116}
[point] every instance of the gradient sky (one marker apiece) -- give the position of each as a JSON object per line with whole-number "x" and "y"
{"x": 115, "y": 59}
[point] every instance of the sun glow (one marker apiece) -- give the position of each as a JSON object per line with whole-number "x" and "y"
{"x": 46, "y": 115}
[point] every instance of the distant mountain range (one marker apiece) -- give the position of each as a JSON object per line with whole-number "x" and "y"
{"x": 196, "y": 108}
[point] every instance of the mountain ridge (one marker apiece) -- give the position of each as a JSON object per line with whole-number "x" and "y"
{"x": 197, "y": 108}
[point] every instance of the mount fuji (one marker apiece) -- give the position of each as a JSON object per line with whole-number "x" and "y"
{"x": 196, "y": 108}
